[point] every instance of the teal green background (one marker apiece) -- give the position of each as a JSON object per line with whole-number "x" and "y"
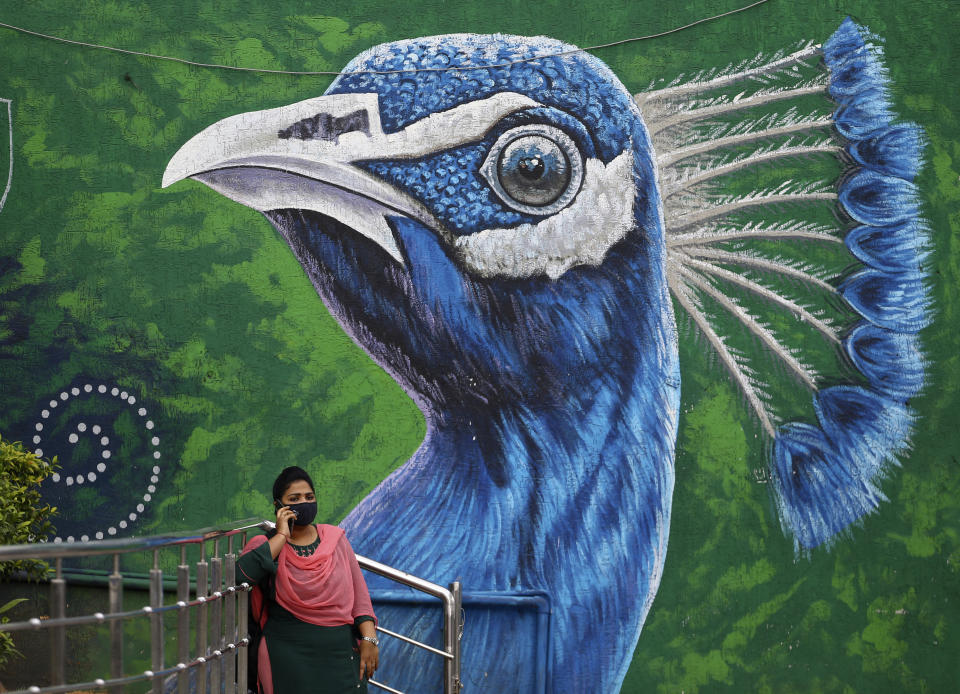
{"x": 194, "y": 305}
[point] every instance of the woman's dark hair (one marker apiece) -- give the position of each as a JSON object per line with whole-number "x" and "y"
{"x": 288, "y": 476}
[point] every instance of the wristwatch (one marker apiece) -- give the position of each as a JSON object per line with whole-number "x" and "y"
{"x": 372, "y": 639}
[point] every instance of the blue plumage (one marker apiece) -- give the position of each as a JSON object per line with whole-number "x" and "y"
{"x": 550, "y": 403}
{"x": 541, "y": 346}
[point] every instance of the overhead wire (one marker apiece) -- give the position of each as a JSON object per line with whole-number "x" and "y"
{"x": 334, "y": 73}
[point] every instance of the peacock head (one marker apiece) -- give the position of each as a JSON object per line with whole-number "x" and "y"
{"x": 472, "y": 213}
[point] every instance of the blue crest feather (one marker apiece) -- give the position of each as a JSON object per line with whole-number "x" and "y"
{"x": 893, "y": 301}
{"x": 890, "y": 248}
{"x": 862, "y": 426}
{"x": 873, "y": 349}
{"x": 858, "y": 82}
{"x": 817, "y": 497}
{"x": 894, "y": 151}
{"x": 826, "y": 476}
{"x": 875, "y": 199}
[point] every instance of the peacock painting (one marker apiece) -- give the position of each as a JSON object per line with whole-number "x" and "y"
{"x": 516, "y": 238}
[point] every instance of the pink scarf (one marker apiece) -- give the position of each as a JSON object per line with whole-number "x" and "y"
{"x": 325, "y": 588}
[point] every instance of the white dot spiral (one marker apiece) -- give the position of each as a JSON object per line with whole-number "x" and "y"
{"x": 102, "y": 441}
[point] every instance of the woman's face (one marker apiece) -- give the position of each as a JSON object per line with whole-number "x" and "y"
{"x": 297, "y": 493}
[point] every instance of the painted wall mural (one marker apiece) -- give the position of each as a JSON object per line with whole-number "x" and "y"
{"x": 679, "y": 295}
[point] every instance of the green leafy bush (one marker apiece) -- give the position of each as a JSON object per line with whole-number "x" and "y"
{"x": 7, "y": 649}
{"x": 23, "y": 518}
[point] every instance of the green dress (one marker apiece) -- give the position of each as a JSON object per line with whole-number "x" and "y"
{"x": 304, "y": 658}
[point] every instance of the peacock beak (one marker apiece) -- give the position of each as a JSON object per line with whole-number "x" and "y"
{"x": 301, "y": 157}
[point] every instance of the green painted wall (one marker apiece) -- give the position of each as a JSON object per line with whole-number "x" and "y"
{"x": 196, "y": 309}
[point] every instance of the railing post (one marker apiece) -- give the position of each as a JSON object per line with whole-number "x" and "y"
{"x": 230, "y": 616}
{"x": 183, "y": 620}
{"x": 202, "y": 620}
{"x": 243, "y": 629}
{"x": 58, "y": 635}
{"x": 216, "y": 616}
{"x": 451, "y": 640}
{"x": 156, "y": 622}
{"x": 116, "y": 626}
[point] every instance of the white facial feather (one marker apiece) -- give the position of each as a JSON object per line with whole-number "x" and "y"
{"x": 580, "y": 234}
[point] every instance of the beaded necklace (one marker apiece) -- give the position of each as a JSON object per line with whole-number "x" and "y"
{"x": 306, "y": 550}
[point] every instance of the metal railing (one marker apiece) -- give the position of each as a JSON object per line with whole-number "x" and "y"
{"x": 217, "y": 613}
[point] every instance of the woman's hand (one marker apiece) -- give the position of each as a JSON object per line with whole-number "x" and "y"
{"x": 284, "y": 516}
{"x": 369, "y": 659}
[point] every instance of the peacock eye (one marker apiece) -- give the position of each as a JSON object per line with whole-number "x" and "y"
{"x": 534, "y": 168}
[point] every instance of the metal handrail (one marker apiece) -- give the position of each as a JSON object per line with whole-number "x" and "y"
{"x": 45, "y": 551}
{"x": 214, "y": 604}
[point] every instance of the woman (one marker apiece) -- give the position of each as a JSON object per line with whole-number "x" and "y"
{"x": 311, "y": 600}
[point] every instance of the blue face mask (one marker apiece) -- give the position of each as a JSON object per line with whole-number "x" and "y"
{"x": 305, "y": 511}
